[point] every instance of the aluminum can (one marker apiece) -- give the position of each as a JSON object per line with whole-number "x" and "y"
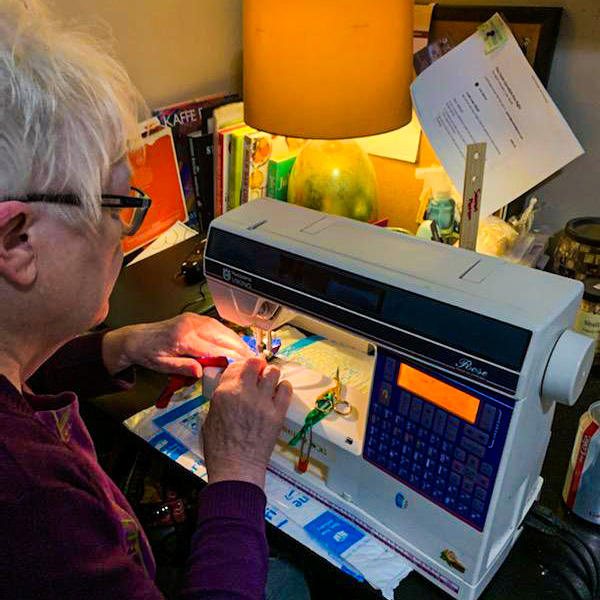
{"x": 581, "y": 492}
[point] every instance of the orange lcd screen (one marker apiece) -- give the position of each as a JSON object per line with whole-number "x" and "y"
{"x": 439, "y": 393}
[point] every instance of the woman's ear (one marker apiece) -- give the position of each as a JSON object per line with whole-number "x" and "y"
{"x": 17, "y": 257}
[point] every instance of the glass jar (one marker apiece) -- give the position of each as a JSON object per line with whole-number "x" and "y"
{"x": 588, "y": 316}
{"x": 577, "y": 252}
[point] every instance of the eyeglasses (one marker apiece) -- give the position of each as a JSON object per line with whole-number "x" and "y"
{"x": 132, "y": 209}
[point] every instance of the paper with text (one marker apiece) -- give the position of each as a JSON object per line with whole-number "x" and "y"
{"x": 468, "y": 96}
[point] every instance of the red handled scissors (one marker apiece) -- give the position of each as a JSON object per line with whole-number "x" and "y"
{"x": 176, "y": 382}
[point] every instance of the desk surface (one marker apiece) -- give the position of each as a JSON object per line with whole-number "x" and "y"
{"x": 148, "y": 291}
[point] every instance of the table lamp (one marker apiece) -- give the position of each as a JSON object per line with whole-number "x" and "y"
{"x": 329, "y": 70}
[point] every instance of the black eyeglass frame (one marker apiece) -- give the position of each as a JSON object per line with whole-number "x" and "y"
{"x": 142, "y": 203}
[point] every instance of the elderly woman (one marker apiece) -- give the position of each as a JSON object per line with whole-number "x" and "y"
{"x": 67, "y": 114}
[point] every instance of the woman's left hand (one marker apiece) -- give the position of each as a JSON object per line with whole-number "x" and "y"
{"x": 168, "y": 346}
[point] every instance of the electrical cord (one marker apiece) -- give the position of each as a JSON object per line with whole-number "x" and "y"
{"x": 583, "y": 578}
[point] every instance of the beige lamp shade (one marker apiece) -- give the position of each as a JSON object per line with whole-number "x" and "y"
{"x": 327, "y": 69}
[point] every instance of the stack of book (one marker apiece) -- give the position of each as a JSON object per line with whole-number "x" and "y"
{"x": 223, "y": 162}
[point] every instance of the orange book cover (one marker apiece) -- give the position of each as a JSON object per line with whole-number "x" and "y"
{"x": 155, "y": 171}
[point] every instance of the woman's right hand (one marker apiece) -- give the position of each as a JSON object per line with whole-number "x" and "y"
{"x": 245, "y": 417}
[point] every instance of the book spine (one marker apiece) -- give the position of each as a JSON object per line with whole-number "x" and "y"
{"x": 271, "y": 178}
{"x": 201, "y": 150}
{"x": 247, "y": 159}
{"x": 218, "y": 176}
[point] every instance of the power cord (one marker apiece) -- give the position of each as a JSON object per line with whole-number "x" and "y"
{"x": 584, "y": 578}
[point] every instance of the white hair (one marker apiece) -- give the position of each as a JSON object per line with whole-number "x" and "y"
{"x": 68, "y": 110}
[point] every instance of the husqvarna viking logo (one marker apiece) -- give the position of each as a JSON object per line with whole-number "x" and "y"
{"x": 237, "y": 279}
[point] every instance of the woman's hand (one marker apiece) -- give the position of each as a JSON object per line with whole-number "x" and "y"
{"x": 167, "y": 346}
{"x": 245, "y": 417}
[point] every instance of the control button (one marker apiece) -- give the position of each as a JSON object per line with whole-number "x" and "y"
{"x": 450, "y": 502}
{"x": 415, "y": 409}
{"x": 460, "y": 454}
{"x": 486, "y": 469}
{"x": 473, "y": 447}
{"x": 454, "y": 479}
{"x": 453, "y": 422}
{"x": 452, "y": 490}
{"x": 478, "y": 506}
{"x": 434, "y": 440}
{"x": 439, "y": 422}
{"x": 473, "y": 462}
{"x": 458, "y": 467}
{"x": 385, "y": 393}
{"x": 389, "y": 370}
{"x": 447, "y": 447}
{"x": 427, "y": 416}
{"x": 464, "y": 497}
{"x": 470, "y": 473}
{"x": 468, "y": 485}
{"x": 375, "y": 419}
{"x": 488, "y": 415}
{"x": 483, "y": 481}
{"x": 451, "y": 433}
{"x": 480, "y": 493}
{"x": 443, "y": 471}
{"x": 476, "y": 435}
{"x": 404, "y": 406}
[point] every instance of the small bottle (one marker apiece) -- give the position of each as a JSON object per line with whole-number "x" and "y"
{"x": 588, "y": 316}
{"x": 441, "y": 206}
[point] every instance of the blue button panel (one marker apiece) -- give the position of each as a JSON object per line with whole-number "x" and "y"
{"x": 448, "y": 460}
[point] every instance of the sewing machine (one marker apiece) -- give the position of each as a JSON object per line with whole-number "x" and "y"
{"x": 441, "y": 460}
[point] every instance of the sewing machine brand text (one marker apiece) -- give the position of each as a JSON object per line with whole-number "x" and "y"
{"x": 236, "y": 278}
{"x": 466, "y": 364}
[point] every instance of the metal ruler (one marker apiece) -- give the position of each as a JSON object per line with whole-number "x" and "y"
{"x": 469, "y": 222}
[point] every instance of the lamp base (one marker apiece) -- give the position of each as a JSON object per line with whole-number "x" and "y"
{"x": 334, "y": 176}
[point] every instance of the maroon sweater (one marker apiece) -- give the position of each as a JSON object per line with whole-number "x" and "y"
{"x": 67, "y": 530}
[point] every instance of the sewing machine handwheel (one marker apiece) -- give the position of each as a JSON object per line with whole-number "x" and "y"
{"x": 568, "y": 368}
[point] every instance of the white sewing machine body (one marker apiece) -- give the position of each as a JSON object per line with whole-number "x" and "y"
{"x": 442, "y": 459}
